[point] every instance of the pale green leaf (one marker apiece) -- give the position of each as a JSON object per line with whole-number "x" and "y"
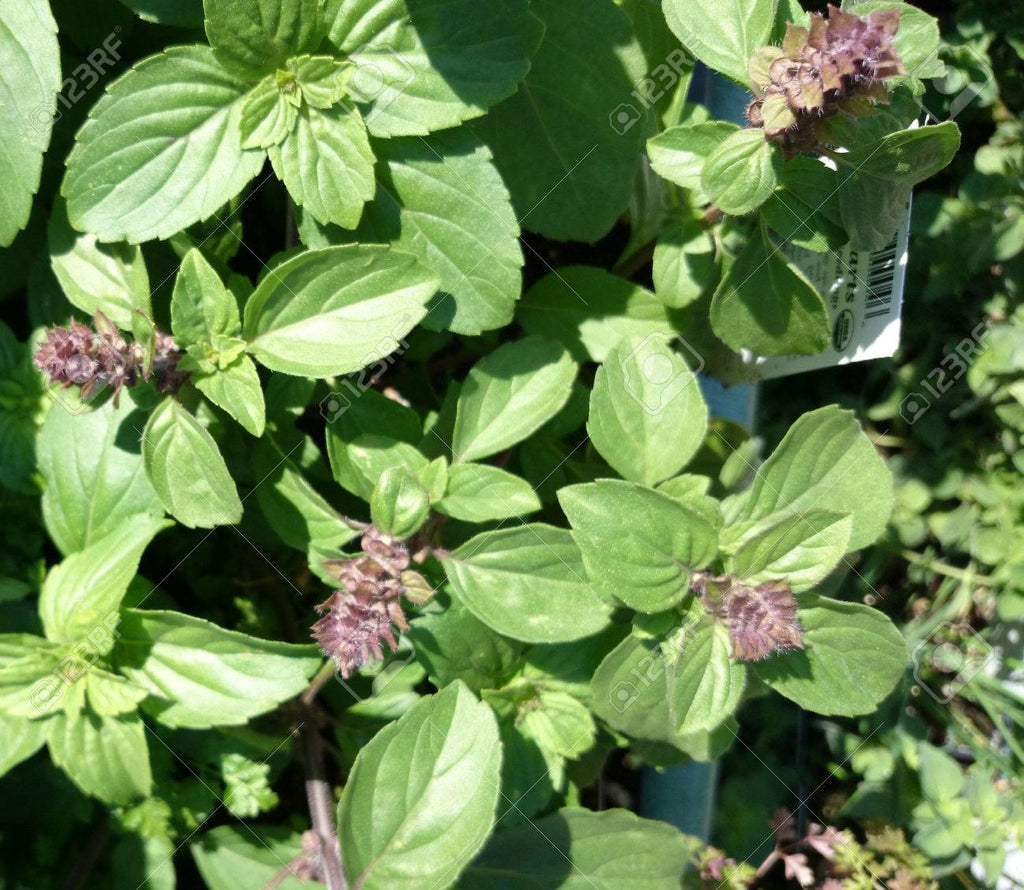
{"x": 92, "y": 465}
{"x": 420, "y": 799}
{"x": 663, "y": 689}
{"x": 262, "y": 34}
{"x": 234, "y": 856}
{"x": 647, "y": 416}
{"x": 327, "y": 163}
{"x": 479, "y": 493}
{"x": 106, "y": 757}
{"x": 678, "y": 154}
{"x": 825, "y": 462}
{"x": 509, "y": 394}
{"x": 639, "y": 546}
{"x": 161, "y": 149}
{"x": 201, "y": 675}
{"x": 684, "y": 261}
{"x": 723, "y": 34}
{"x": 441, "y": 199}
{"x": 337, "y": 310}
{"x": 423, "y": 65}
{"x": 764, "y": 303}
{"x": 81, "y": 595}
{"x": 741, "y": 173}
{"x": 186, "y": 469}
{"x": 527, "y": 583}
{"x": 109, "y": 278}
{"x": 588, "y": 310}
{"x": 572, "y": 178}
{"x": 853, "y": 658}
{"x": 798, "y": 548}
{"x": 201, "y": 307}
{"x": 578, "y": 849}
{"x": 237, "y": 390}
{"x": 30, "y": 79}
{"x": 267, "y": 116}
{"x": 22, "y": 738}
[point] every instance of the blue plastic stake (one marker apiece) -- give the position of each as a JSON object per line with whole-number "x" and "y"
{"x": 684, "y": 796}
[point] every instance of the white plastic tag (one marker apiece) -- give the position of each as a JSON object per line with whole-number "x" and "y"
{"x": 863, "y": 294}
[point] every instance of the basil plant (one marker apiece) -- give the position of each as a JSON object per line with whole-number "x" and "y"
{"x": 361, "y": 494}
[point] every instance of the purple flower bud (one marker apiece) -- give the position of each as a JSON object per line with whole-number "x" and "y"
{"x": 760, "y": 620}
{"x": 837, "y": 64}
{"x": 364, "y": 612}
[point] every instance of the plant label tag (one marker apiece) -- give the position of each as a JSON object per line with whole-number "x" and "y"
{"x": 863, "y": 293}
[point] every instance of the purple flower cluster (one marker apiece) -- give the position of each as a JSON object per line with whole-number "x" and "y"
{"x": 93, "y": 358}
{"x": 837, "y": 64}
{"x": 760, "y": 620}
{"x": 363, "y": 612}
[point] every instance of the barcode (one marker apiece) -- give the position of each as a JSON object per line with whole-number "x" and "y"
{"x": 880, "y": 280}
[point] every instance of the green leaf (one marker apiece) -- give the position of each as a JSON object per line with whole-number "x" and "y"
{"x": 323, "y": 80}
{"x": 562, "y": 728}
{"x": 722, "y": 35}
{"x": 333, "y": 311}
{"x": 872, "y": 209}
{"x": 799, "y": 548}
{"x": 423, "y": 65}
{"x": 201, "y": 307}
{"x": 455, "y": 645}
{"x": 92, "y": 465}
{"x": 111, "y": 694}
{"x": 201, "y": 675}
{"x": 366, "y": 433}
{"x": 110, "y": 278}
{"x": 678, "y": 154}
{"x": 825, "y": 462}
{"x": 578, "y": 849}
{"x": 442, "y": 199}
{"x": 237, "y": 390}
{"x": 804, "y": 209}
{"x": 684, "y": 261}
{"x": 30, "y": 80}
{"x": 527, "y": 583}
{"x": 510, "y": 394}
{"x": 81, "y": 595}
{"x": 106, "y": 757}
{"x": 327, "y": 163}
{"x": 399, "y": 505}
{"x": 639, "y": 546}
{"x": 267, "y": 115}
{"x": 441, "y": 762}
{"x": 663, "y": 689}
{"x": 907, "y": 156}
{"x": 853, "y": 659}
{"x": 186, "y": 469}
{"x": 647, "y": 416}
{"x": 234, "y": 856}
{"x": 22, "y": 738}
{"x": 941, "y": 776}
{"x": 767, "y": 305}
{"x": 35, "y": 681}
{"x": 161, "y": 149}
{"x": 572, "y": 178}
{"x": 588, "y": 310}
{"x": 262, "y": 34}
{"x": 741, "y": 173}
{"x": 299, "y": 515}
{"x": 479, "y": 493}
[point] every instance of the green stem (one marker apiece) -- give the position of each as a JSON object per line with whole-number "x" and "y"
{"x": 968, "y": 575}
